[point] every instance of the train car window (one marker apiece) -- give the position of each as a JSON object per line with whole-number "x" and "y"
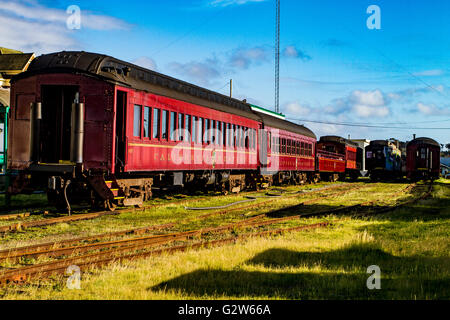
{"x": 212, "y": 131}
{"x": 180, "y": 126}
{"x": 187, "y": 132}
{"x": 173, "y": 125}
{"x": 147, "y": 120}
{"x": 302, "y": 149}
{"x": 246, "y": 139}
{"x": 215, "y": 138}
{"x": 156, "y": 123}
{"x": 241, "y": 137}
{"x": 164, "y": 126}
{"x": 238, "y": 136}
{"x": 254, "y": 138}
{"x": 234, "y": 137}
{"x": 194, "y": 129}
{"x": 222, "y": 132}
{"x": 206, "y": 134}
{"x": 200, "y": 130}
{"x": 137, "y": 121}
{"x": 228, "y": 135}
{"x": 218, "y": 132}
{"x": 423, "y": 153}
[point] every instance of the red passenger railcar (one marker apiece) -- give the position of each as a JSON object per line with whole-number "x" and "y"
{"x": 337, "y": 157}
{"x": 91, "y": 127}
{"x": 293, "y": 152}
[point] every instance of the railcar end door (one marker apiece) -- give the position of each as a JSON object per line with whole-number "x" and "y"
{"x": 121, "y": 115}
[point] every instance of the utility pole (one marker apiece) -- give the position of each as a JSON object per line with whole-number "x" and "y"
{"x": 231, "y": 88}
{"x": 277, "y": 58}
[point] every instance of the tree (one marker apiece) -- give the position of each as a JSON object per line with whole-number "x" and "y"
{"x": 447, "y": 146}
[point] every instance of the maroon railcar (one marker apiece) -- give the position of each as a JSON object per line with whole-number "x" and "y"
{"x": 91, "y": 127}
{"x": 290, "y": 151}
{"x": 338, "y": 157}
{"x": 423, "y": 159}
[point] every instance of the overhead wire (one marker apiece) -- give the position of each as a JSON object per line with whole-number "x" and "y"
{"x": 365, "y": 125}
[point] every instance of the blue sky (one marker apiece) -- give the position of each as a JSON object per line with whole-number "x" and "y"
{"x": 333, "y": 68}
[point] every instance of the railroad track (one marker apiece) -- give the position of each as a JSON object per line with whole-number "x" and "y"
{"x": 129, "y": 249}
{"x": 128, "y": 246}
{"x": 89, "y": 216}
{"x": 139, "y": 231}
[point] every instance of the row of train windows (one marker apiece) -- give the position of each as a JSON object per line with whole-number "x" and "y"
{"x": 183, "y": 127}
{"x": 288, "y": 146}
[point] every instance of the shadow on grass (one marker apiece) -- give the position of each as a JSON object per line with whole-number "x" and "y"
{"x": 436, "y": 207}
{"x": 341, "y": 274}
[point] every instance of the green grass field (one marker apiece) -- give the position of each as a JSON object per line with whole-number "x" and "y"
{"x": 410, "y": 245}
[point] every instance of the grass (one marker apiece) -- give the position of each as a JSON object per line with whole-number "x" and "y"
{"x": 410, "y": 245}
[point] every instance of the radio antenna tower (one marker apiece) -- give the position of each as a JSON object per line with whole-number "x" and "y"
{"x": 277, "y": 59}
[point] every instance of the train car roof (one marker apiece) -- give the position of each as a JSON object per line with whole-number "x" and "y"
{"x": 424, "y": 140}
{"x": 338, "y": 140}
{"x": 278, "y": 123}
{"x": 133, "y": 76}
{"x": 379, "y": 143}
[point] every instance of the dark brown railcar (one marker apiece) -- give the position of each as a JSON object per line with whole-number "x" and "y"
{"x": 423, "y": 158}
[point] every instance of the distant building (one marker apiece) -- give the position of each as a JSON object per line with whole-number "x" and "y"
{"x": 362, "y": 143}
{"x": 12, "y": 62}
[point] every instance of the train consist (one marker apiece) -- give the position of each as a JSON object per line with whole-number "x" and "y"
{"x": 91, "y": 128}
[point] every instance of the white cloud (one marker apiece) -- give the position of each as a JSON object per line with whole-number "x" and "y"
{"x": 371, "y": 98}
{"x": 431, "y": 109}
{"x": 226, "y": 3}
{"x": 369, "y": 103}
{"x": 297, "y": 109}
{"x": 146, "y": 62}
{"x": 408, "y": 95}
{"x": 34, "y": 36}
{"x": 293, "y": 52}
{"x": 429, "y": 73}
{"x": 243, "y": 58}
{"x": 364, "y": 104}
{"x": 29, "y": 26}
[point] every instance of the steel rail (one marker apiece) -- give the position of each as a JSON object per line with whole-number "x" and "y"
{"x": 89, "y": 216}
{"x": 99, "y": 259}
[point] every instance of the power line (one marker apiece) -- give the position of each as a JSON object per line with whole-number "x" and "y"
{"x": 203, "y": 23}
{"x": 365, "y": 125}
